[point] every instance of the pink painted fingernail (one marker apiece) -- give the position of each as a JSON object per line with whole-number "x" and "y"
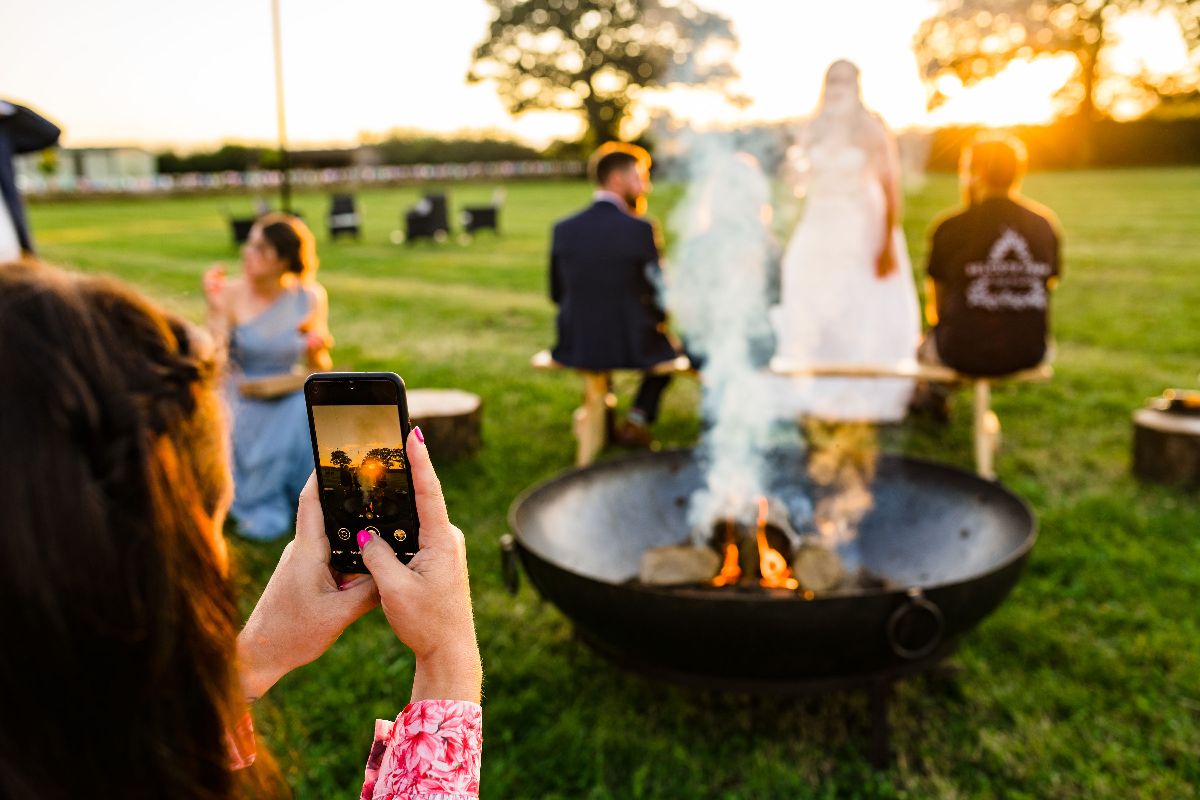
{"x": 363, "y": 538}
{"x": 420, "y": 436}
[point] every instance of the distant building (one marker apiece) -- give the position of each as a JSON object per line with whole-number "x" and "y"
{"x": 105, "y": 168}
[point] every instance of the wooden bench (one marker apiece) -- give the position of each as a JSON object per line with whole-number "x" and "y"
{"x": 592, "y": 421}
{"x": 986, "y": 423}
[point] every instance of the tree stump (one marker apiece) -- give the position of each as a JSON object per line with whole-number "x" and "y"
{"x": 450, "y": 419}
{"x": 1166, "y": 447}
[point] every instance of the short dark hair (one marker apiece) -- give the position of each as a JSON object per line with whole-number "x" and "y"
{"x": 611, "y": 157}
{"x": 999, "y": 159}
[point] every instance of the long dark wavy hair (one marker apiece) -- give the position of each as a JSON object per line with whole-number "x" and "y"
{"x": 117, "y": 617}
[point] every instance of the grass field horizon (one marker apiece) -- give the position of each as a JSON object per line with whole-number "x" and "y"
{"x": 1083, "y": 684}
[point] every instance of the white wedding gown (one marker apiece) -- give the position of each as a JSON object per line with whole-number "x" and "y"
{"x": 834, "y": 309}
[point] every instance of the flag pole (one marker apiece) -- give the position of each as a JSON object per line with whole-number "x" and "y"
{"x": 280, "y": 118}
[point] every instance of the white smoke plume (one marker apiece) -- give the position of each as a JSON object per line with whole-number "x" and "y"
{"x": 718, "y": 290}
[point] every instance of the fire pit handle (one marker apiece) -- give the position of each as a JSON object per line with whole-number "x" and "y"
{"x": 921, "y": 617}
{"x": 510, "y": 567}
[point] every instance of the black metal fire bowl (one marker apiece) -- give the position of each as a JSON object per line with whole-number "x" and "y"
{"x": 950, "y": 544}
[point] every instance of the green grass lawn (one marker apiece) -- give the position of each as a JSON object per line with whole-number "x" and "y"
{"x": 1084, "y": 684}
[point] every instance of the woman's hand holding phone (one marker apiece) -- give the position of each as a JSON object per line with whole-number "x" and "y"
{"x": 428, "y": 602}
{"x": 303, "y": 610}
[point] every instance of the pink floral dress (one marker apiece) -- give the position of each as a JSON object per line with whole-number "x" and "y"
{"x": 431, "y": 752}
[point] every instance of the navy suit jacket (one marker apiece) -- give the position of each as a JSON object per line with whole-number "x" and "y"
{"x": 601, "y": 260}
{"x": 23, "y": 132}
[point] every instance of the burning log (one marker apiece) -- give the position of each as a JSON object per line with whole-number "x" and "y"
{"x": 758, "y": 560}
{"x": 817, "y": 568}
{"x": 772, "y": 565}
{"x": 769, "y": 554}
{"x": 731, "y": 568}
{"x": 677, "y": 565}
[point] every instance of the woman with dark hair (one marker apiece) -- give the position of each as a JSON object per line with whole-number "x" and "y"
{"x": 125, "y": 675}
{"x": 274, "y": 322}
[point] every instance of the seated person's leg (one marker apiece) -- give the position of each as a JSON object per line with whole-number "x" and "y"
{"x": 649, "y": 397}
{"x": 929, "y": 397}
{"x": 636, "y": 430}
{"x": 927, "y": 352}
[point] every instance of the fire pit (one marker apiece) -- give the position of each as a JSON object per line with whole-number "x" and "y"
{"x": 947, "y": 545}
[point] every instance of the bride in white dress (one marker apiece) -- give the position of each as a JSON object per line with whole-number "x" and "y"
{"x": 847, "y": 294}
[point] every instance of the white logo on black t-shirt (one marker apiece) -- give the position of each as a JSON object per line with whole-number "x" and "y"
{"x": 1009, "y": 280}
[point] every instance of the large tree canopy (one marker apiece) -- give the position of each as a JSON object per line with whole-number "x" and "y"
{"x": 975, "y": 39}
{"x": 594, "y": 56}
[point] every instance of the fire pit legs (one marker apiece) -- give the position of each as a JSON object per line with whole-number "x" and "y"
{"x": 878, "y": 686}
{"x": 879, "y": 692}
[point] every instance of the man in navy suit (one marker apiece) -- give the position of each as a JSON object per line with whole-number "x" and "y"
{"x": 21, "y": 131}
{"x": 603, "y": 275}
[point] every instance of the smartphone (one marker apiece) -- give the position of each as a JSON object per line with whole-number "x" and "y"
{"x": 359, "y": 425}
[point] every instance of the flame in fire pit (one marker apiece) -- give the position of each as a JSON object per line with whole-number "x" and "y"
{"x": 731, "y": 571}
{"x": 772, "y": 566}
{"x": 771, "y": 563}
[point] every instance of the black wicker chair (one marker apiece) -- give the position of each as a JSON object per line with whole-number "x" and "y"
{"x": 428, "y": 219}
{"x": 343, "y": 216}
{"x": 240, "y": 228}
{"x": 480, "y": 218}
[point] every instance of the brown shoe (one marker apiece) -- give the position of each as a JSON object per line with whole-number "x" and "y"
{"x": 632, "y": 434}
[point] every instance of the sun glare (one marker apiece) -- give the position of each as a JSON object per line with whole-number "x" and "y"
{"x": 1151, "y": 43}
{"x": 784, "y": 50}
{"x": 1025, "y": 92}
{"x": 1021, "y": 93}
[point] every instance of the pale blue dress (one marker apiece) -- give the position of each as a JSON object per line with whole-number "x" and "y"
{"x": 272, "y": 455}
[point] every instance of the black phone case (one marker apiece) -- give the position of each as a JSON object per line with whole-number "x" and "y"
{"x": 345, "y": 555}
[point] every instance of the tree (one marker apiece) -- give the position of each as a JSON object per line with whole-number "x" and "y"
{"x": 339, "y": 459}
{"x": 595, "y": 56}
{"x": 408, "y": 148}
{"x": 384, "y": 455}
{"x": 975, "y": 39}
{"x": 48, "y": 162}
{"x": 235, "y": 157}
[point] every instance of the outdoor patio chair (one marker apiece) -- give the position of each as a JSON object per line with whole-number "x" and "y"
{"x": 343, "y": 216}
{"x": 478, "y": 218}
{"x": 240, "y": 228}
{"x": 428, "y": 219}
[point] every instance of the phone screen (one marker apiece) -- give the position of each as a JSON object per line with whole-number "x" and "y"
{"x": 362, "y": 466}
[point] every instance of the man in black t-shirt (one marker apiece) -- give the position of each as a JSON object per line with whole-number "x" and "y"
{"x": 991, "y": 268}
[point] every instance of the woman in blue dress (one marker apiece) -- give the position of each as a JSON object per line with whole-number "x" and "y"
{"x": 274, "y": 322}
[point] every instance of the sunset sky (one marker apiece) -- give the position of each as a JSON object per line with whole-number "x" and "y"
{"x": 155, "y": 73}
{"x": 355, "y": 430}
